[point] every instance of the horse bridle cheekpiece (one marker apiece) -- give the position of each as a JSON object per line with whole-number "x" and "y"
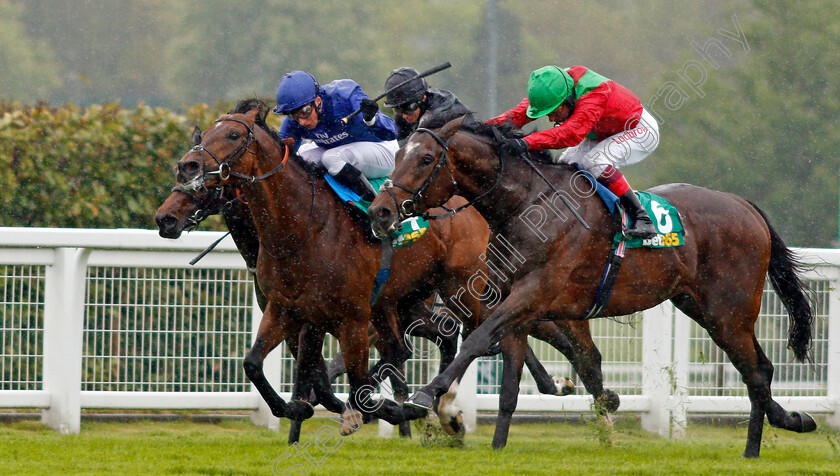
{"x": 224, "y": 171}
{"x": 408, "y": 208}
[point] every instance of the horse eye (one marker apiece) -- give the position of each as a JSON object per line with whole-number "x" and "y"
{"x": 427, "y": 159}
{"x": 234, "y": 135}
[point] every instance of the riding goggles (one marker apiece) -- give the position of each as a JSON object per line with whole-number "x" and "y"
{"x": 407, "y": 108}
{"x": 302, "y": 112}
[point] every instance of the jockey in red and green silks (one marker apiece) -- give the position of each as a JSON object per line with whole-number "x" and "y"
{"x": 602, "y": 125}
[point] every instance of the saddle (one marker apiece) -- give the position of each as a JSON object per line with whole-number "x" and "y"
{"x": 355, "y": 205}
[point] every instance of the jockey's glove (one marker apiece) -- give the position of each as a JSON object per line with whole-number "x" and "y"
{"x": 514, "y": 147}
{"x": 369, "y": 109}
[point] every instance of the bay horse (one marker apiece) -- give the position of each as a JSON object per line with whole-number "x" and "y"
{"x": 319, "y": 269}
{"x": 185, "y": 209}
{"x": 716, "y": 278}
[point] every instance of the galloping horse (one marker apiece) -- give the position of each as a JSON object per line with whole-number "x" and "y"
{"x": 185, "y": 209}
{"x": 316, "y": 266}
{"x": 716, "y": 277}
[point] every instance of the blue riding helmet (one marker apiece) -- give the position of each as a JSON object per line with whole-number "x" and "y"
{"x": 296, "y": 89}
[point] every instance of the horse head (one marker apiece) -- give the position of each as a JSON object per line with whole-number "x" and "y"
{"x": 185, "y": 209}
{"x": 227, "y": 153}
{"x": 432, "y": 167}
{"x": 222, "y": 157}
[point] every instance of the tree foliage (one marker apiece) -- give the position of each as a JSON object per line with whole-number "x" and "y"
{"x": 102, "y": 167}
{"x": 766, "y": 128}
{"x": 27, "y": 72}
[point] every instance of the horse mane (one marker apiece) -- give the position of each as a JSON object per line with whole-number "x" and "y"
{"x": 482, "y": 129}
{"x": 247, "y": 105}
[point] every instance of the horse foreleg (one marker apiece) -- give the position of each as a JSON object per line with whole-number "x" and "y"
{"x": 510, "y": 314}
{"x": 336, "y": 366}
{"x": 355, "y": 348}
{"x": 274, "y": 328}
{"x": 513, "y": 356}
{"x": 299, "y": 409}
{"x": 399, "y": 386}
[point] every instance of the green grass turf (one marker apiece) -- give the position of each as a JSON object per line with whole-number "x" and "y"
{"x": 237, "y": 447}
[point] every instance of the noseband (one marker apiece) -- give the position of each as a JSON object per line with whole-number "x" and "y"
{"x": 211, "y": 204}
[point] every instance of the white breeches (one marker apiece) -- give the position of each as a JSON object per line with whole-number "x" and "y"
{"x": 625, "y": 148}
{"x": 373, "y": 159}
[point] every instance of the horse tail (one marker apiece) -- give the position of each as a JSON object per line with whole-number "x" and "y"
{"x": 784, "y": 272}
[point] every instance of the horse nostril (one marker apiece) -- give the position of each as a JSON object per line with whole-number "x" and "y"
{"x": 166, "y": 223}
{"x": 383, "y": 213}
{"x": 189, "y": 167}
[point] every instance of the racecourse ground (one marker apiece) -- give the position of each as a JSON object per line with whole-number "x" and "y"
{"x": 233, "y": 447}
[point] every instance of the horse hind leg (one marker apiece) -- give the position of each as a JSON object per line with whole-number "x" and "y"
{"x": 737, "y": 339}
{"x": 574, "y": 340}
{"x": 778, "y": 417}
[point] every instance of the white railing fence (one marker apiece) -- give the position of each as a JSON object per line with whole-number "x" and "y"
{"x": 118, "y": 319}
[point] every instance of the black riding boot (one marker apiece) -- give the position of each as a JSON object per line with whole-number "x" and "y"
{"x": 642, "y": 225}
{"x": 353, "y": 179}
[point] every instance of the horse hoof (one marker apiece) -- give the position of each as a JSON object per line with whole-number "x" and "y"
{"x": 564, "y": 386}
{"x": 420, "y": 400}
{"x": 610, "y": 401}
{"x": 299, "y": 410}
{"x": 351, "y": 421}
{"x": 454, "y": 426}
{"x": 806, "y": 422}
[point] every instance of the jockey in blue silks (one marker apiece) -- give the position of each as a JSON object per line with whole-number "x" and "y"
{"x": 364, "y": 147}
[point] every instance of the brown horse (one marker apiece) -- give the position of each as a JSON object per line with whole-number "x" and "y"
{"x": 320, "y": 268}
{"x": 185, "y": 209}
{"x": 716, "y": 277}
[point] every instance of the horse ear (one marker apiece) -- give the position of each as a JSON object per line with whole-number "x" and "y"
{"x": 253, "y": 114}
{"x": 196, "y": 136}
{"x": 451, "y": 127}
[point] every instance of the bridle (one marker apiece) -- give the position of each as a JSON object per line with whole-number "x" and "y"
{"x": 224, "y": 172}
{"x": 408, "y": 208}
{"x": 211, "y": 204}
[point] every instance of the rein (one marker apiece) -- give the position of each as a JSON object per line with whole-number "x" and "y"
{"x": 408, "y": 208}
{"x": 210, "y": 205}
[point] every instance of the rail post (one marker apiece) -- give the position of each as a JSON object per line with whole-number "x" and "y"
{"x": 657, "y": 368}
{"x": 833, "y": 360}
{"x": 64, "y": 308}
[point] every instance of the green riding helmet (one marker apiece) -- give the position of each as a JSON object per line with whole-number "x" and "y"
{"x": 548, "y": 87}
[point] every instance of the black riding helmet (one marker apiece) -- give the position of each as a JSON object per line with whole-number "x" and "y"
{"x": 409, "y": 92}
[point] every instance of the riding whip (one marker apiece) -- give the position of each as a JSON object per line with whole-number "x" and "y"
{"x": 428, "y": 72}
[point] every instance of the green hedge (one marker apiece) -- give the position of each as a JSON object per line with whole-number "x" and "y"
{"x": 100, "y": 167}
